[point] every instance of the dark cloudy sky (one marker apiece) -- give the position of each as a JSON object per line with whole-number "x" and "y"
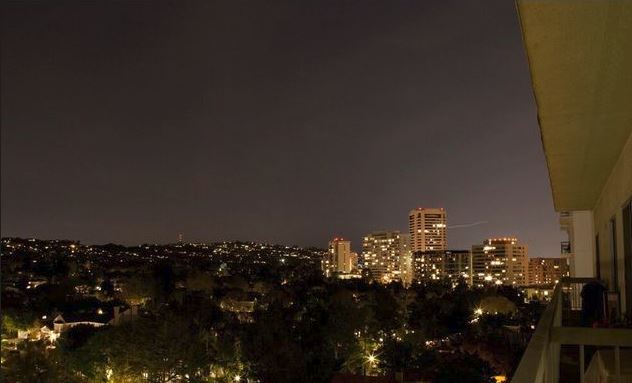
{"x": 286, "y": 122}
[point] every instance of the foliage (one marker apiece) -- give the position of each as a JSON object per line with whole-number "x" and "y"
{"x": 409, "y": 353}
{"x": 463, "y": 368}
{"x": 14, "y": 320}
{"x": 156, "y": 350}
{"x": 498, "y": 304}
{"x": 34, "y": 363}
{"x": 303, "y": 327}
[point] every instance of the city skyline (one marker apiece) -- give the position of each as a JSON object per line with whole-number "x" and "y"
{"x": 328, "y": 192}
{"x": 332, "y": 120}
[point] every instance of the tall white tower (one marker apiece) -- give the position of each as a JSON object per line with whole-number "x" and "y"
{"x": 339, "y": 258}
{"x": 427, "y": 229}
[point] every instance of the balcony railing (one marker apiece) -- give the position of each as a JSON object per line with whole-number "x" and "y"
{"x": 565, "y": 247}
{"x": 557, "y": 327}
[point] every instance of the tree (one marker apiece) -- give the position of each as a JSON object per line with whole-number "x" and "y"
{"x": 157, "y": 350}
{"x": 107, "y": 288}
{"x": 164, "y": 281}
{"x": 463, "y": 368}
{"x": 197, "y": 281}
{"x": 387, "y": 312}
{"x": 14, "y": 320}
{"x": 408, "y": 353}
{"x": 34, "y": 364}
{"x": 75, "y": 337}
{"x": 271, "y": 345}
{"x": 137, "y": 289}
{"x": 498, "y": 304}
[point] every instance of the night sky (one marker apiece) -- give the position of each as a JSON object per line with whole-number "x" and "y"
{"x": 284, "y": 122}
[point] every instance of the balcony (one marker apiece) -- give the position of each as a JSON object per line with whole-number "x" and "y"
{"x": 562, "y": 351}
{"x": 566, "y": 220}
{"x": 565, "y": 247}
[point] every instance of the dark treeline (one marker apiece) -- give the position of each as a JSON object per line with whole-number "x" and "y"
{"x": 270, "y": 317}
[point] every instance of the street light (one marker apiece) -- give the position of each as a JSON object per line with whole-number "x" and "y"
{"x": 371, "y": 361}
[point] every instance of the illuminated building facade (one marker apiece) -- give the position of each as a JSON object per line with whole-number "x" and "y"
{"x": 434, "y": 265}
{"x": 427, "y": 228}
{"x": 547, "y": 271}
{"x": 458, "y": 265}
{"x": 385, "y": 256}
{"x": 500, "y": 261}
{"x": 339, "y": 258}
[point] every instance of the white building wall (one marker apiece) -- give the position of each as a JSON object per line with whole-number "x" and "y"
{"x": 616, "y": 192}
{"x": 582, "y": 238}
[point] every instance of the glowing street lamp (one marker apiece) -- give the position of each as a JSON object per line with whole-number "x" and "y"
{"x": 371, "y": 362}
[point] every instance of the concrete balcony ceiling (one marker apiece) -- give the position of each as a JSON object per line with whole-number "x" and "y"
{"x": 580, "y": 59}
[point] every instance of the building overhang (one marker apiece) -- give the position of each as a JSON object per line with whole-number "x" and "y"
{"x": 580, "y": 59}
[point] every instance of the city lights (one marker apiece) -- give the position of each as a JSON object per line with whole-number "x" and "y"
{"x": 350, "y": 129}
{"x": 244, "y": 301}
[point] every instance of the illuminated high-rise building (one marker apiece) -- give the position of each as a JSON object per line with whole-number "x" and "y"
{"x": 386, "y": 256}
{"x": 453, "y": 265}
{"x": 547, "y": 271}
{"x": 427, "y": 228}
{"x": 500, "y": 261}
{"x": 406, "y": 261}
{"x": 339, "y": 258}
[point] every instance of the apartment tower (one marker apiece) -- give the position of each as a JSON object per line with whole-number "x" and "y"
{"x": 386, "y": 257}
{"x": 339, "y": 258}
{"x": 500, "y": 261}
{"x": 547, "y": 271}
{"x": 454, "y": 265}
{"x": 427, "y": 229}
